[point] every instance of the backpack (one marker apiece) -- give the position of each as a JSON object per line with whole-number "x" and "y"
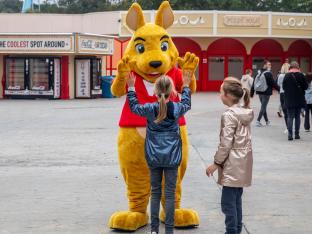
{"x": 260, "y": 82}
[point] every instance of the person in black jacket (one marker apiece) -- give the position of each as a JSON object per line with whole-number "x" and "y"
{"x": 264, "y": 96}
{"x": 294, "y": 86}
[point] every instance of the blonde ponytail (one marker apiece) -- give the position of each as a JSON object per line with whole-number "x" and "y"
{"x": 162, "y": 112}
{"x": 163, "y": 90}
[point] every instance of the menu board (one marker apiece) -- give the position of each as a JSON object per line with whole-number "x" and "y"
{"x": 83, "y": 78}
{"x": 15, "y": 74}
{"x": 57, "y": 78}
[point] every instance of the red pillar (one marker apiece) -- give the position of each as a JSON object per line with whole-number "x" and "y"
{"x": 65, "y": 78}
{"x": 249, "y": 62}
{"x": 3, "y": 76}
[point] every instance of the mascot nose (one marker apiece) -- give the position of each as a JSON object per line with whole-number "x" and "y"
{"x": 155, "y": 64}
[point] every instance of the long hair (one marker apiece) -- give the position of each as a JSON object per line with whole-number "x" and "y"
{"x": 285, "y": 68}
{"x": 232, "y": 86}
{"x": 163, "y": 90}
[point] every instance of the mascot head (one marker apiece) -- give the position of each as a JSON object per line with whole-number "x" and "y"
{"x": 151, "y": 50}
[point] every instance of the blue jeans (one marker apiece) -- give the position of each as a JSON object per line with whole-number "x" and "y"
{"x": 170, "y": 186}
{"x": 264, "y": 99}
{"x": 231, "y": 204}
{"x": 293, "y": 114}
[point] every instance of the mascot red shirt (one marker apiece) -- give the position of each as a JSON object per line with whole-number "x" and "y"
{"x": 129, "y": 119}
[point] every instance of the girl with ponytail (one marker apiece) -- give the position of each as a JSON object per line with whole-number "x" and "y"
{"x": 233, "y": 158}
{"x": 163, "y": 144}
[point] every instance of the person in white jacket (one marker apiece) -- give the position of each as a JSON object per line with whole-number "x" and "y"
{"x": 308, "y": 97}
{"x": 247, "y": 80}
{"x": 280, "y": 79}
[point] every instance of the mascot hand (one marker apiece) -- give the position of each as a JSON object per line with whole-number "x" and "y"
{"x": 124, "y": 67}
{"x": 189, "y": 62}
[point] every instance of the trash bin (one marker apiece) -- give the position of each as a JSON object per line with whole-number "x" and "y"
{"x": 106, "y": 86}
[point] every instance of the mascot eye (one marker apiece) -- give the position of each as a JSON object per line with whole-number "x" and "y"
{"x": 140, "y": 48}
{"x": 164, "y": 46}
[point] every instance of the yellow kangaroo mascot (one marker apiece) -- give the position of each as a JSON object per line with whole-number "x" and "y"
{"x": 149, "y": 54}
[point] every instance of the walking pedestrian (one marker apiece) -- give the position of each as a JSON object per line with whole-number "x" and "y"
{"x": 263, "y": 86}
{"x": 308, "y": 97}
{"x": 294, "y": 86}
{"x": 247, "y": 80}
{"x": 280, "y": 79}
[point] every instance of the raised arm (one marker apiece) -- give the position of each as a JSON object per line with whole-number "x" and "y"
{"x": 142, "y": 110}
{"x": 185, "y": 103}
{"x": 119, "y": 84}
{"x": 135, "y": 106}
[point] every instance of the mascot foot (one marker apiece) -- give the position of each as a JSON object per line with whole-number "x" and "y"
{"x": 183, "y": 218}
{"x": 128, "y": 221}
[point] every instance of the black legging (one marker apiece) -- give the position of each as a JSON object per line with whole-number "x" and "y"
{"x": 282, "y": 100}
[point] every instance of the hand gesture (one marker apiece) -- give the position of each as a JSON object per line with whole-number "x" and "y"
{"x": 124, "y": 67}
{"x": 189, "y": 62}
{"x": 211, "y": 169}
{"x": 131, "y": 79}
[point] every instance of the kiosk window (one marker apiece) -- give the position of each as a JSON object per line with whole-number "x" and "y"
{"x": 15, "y": 78}
{"x": 96, "y": 73}
{"x": 39, "y": 74}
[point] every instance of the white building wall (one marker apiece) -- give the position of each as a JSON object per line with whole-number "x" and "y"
{"x": 97, "y": 23}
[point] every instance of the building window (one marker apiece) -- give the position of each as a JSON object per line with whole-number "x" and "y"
{"x": 39, "y": 74}
{"x": 257, "y": 64}
{"x": 216, "y": 68}
{"x": 305, "y": 64}
{"x": 236, "y": 67}
{"x": 276, "y": 66}
{"x": 15, "y": 74}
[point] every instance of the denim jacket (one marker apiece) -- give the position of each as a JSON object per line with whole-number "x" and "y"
{"x": 163, "y": 144}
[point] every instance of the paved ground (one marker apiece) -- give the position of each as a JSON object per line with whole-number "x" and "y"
{"x": 59, "y": 171}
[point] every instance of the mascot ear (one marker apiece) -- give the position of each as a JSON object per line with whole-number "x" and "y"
{"x": 164, "y": 17}
{"x": 135, "y": 18}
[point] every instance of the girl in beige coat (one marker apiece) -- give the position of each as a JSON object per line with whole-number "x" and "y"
{"x": 233, "y": 158}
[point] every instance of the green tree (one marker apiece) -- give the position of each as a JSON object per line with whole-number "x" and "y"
{"x": 10, "y": 6}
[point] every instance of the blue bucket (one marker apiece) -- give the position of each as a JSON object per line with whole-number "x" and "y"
{"x": 106, "y": 86}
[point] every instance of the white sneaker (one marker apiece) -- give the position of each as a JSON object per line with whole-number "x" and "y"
{"x": 152, "y": 233}
{"x": 268, "y": 123}
{"x": 259, "y": 124}
{"x": 286, "y": 131}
